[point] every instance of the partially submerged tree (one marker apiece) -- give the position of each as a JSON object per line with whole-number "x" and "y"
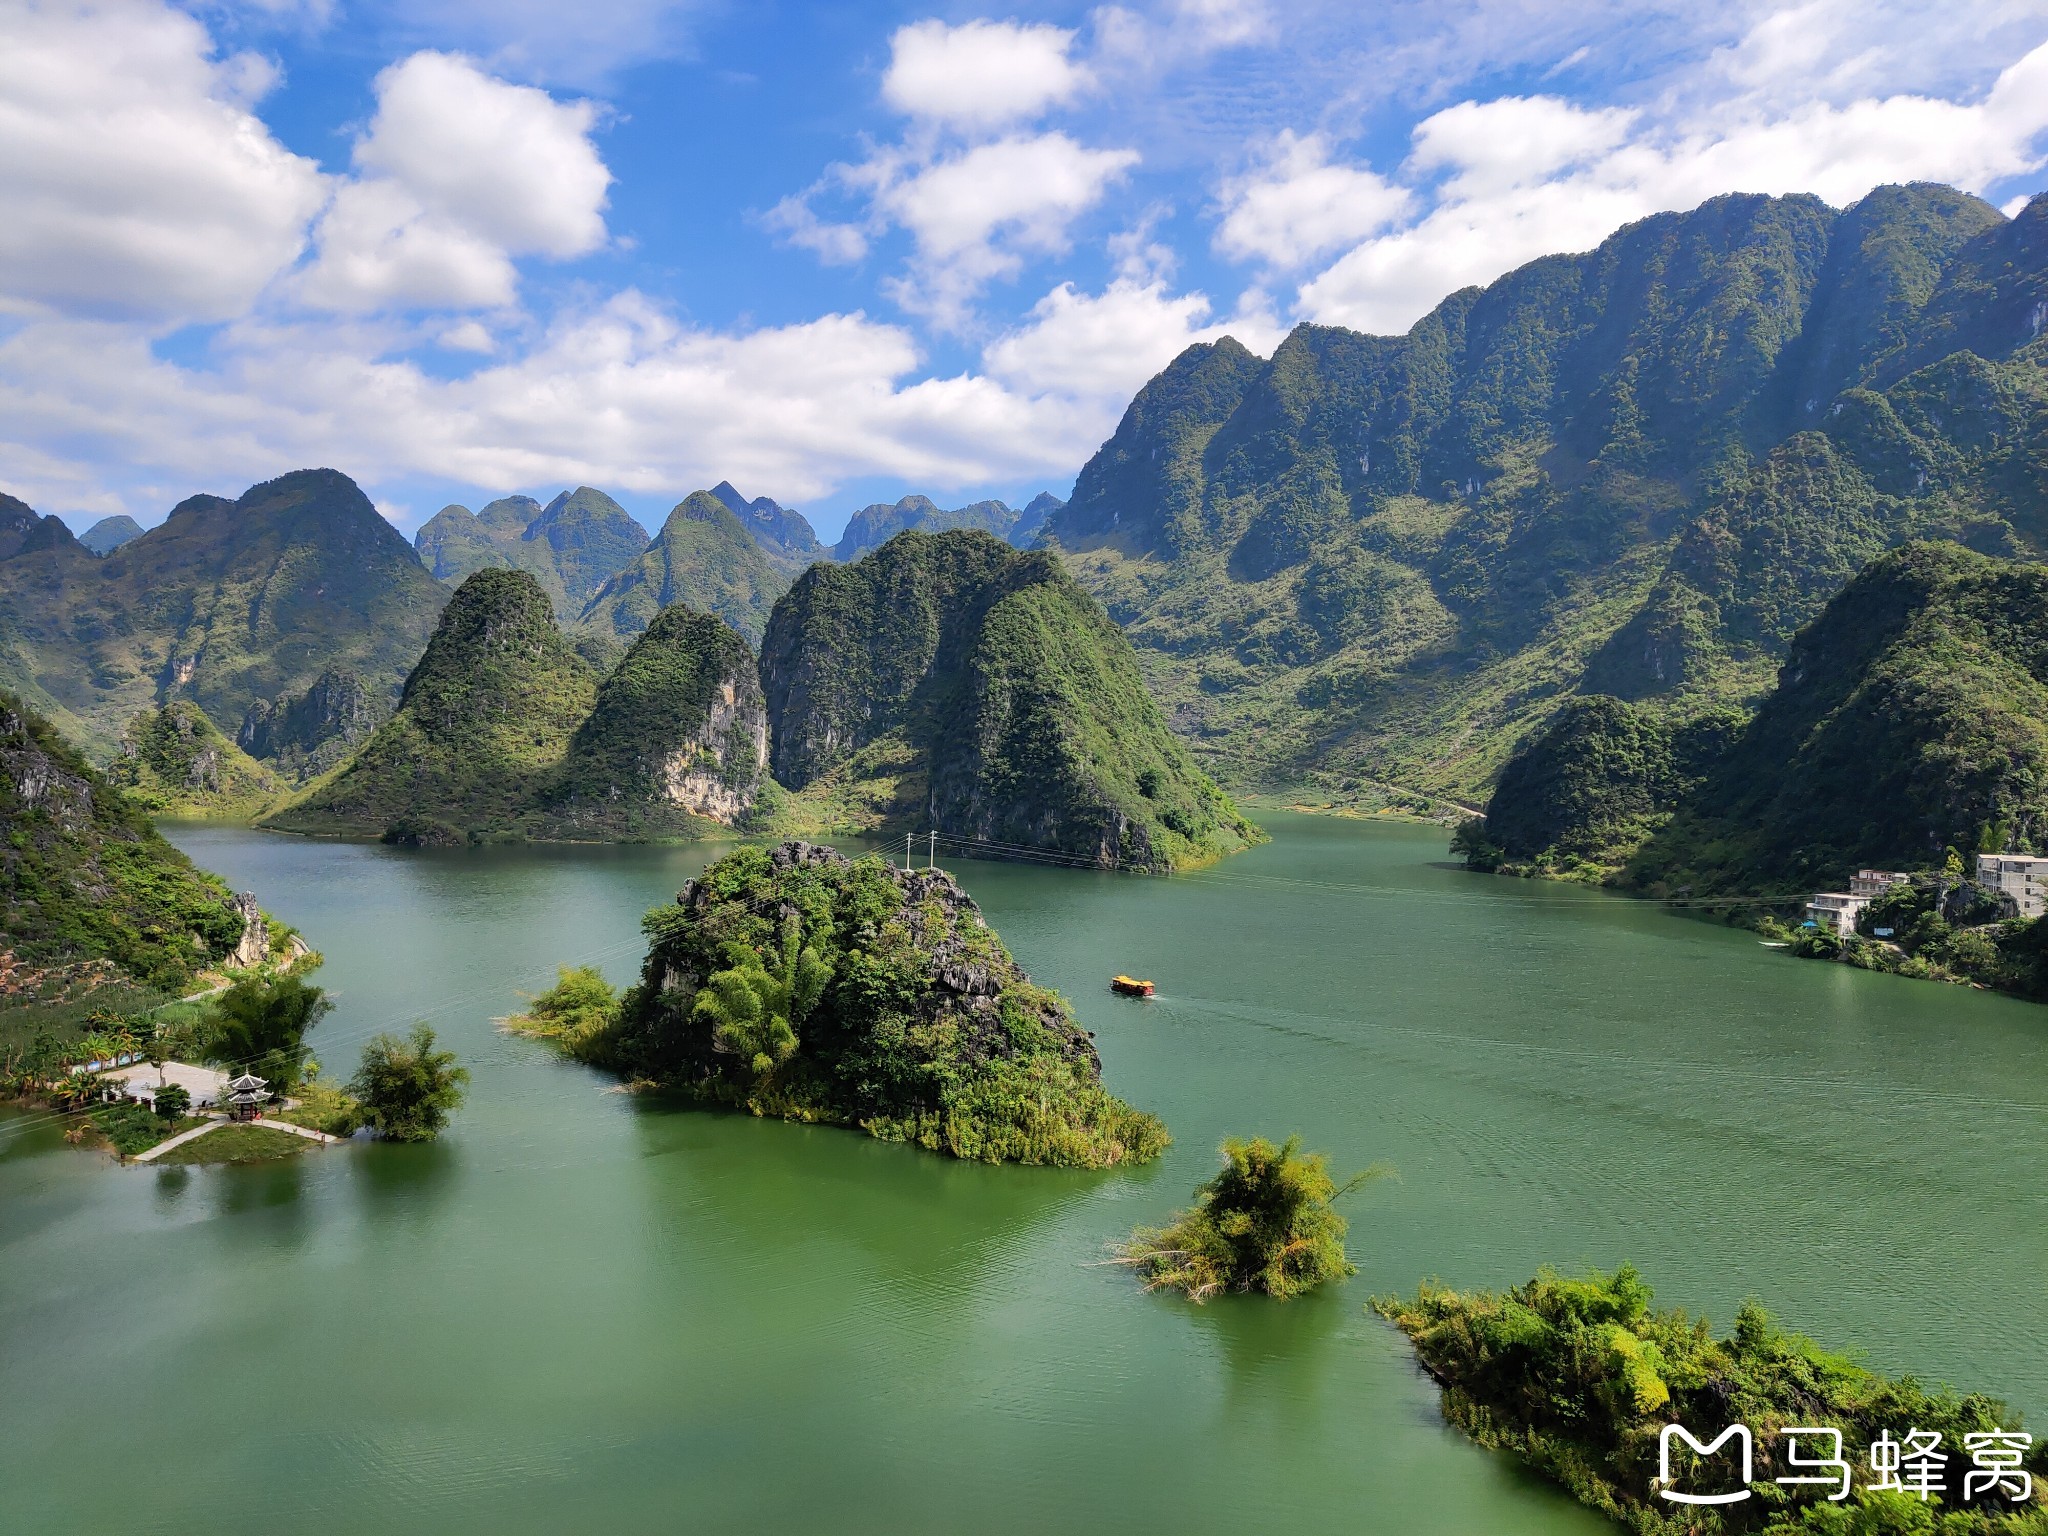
{"x": 408, "y": 1089}
{"x": 579, "y": 1014}
{"x": 1267, "y": 1222}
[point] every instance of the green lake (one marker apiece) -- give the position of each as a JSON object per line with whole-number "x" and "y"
{"x": 580, "y": 1311}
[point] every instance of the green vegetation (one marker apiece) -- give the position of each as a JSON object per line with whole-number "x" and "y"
{"x": 260, "y": 1026}
{"x": 322, "y": 1106}
{"x": 1578, "y": 1377}
{"x": 406, "y": 1088}
{"x": 801, "y": 984}
{"x": 1633, "y": 472}
{"x": 175, "y": 762}
{"x": 235, "y": 1144}
{"x": 1593, "y": 784}
{"x": 985, "y": 683}
{"x": 224, "y": 603}
{"x": 1268, "y": 1222}
{"x": 133, "y": 1128}
{"x": 485, "y": 720}
{"x": 90, "y": 893}
{"x": 703, "y": 556}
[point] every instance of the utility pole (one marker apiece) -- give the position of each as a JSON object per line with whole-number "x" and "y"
{"x": 906, "y": 850}
{"x": 931, "y": 850}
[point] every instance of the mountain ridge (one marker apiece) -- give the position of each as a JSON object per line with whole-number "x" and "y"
{"x": 1392, "y": 558}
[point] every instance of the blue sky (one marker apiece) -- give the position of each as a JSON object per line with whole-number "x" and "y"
{"x": 840, "y": 253}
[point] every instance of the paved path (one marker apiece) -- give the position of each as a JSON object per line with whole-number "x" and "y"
{"x": 177, "y": 1141}
{"x": 215, "y": 1122}
{"x": 301, "y": 1130}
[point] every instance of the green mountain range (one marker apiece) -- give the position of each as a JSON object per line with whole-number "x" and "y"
{"x": 1909, "y": 718}
{"x": 785, "y": 536}
{"x": 224, "y": 604}
{"x": 1635, "y": 472}
{"x": 90, "y": 893}
{"x": 874, "y": 525}
{"x": 954, "y": 683}
{"x": 572, "y": 546}
{"x": 704, "y": 556}
{"x": 504, "y": 731}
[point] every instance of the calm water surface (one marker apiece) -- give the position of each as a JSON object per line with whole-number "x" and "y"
{"x": 579, "y": 1311}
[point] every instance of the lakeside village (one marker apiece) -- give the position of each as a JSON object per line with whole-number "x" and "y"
{"x": 1978, "y": 928}
{"x": 223, "y": 1075}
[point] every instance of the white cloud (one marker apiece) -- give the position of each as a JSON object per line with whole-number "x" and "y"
{"x": 1297, "y": 206}
{"x": 507, "y": 161}
{"x": 1105, "y": 346}
{"x": 1529, "y": 177}
{"x": 981, "y": 74}
{"x": 835, "y": 244}
{"x": 134, "y": 179}
{"x": 621, "y": 395}
{"x": 973, "y": 214}
{"x": 460, "y": 173}
{"x": 468, "y": 336}
{"x": 1490, "y": 146}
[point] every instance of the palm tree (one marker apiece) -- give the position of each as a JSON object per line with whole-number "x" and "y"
{"x": 753, "y": 1011}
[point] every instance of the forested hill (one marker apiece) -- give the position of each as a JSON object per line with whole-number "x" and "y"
{"x": 1910, "y": 717}
{"x": 228, "y": 604}
{"x": 953, "y": 682}
{"x": 1636, "y": 472}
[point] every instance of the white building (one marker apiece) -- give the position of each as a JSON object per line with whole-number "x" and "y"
{"x": 2021, "y": 876}
{"x": 1874, "y": 882}
{"x": 1836, "y": 909}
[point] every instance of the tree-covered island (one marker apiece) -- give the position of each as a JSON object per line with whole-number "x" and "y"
{"x": 799, "y": 983}
{"x": 1579, "y": 1377}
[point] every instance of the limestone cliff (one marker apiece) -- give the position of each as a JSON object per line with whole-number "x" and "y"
{"x": 678, "y": 736}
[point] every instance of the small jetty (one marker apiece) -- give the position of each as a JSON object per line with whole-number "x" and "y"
{"x": 1130, "y": 986}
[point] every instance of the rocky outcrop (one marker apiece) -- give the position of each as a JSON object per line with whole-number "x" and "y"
{"x": 254, "y": 946}
{"x": 176, "y": 762}
{"x": 309, "y": 733}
